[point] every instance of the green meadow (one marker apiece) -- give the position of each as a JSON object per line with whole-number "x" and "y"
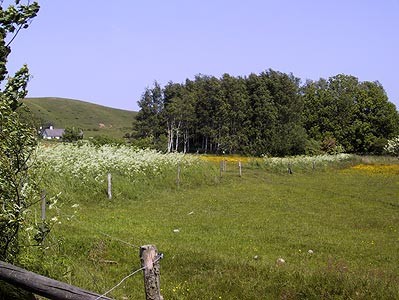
{"x": 319, "y": 233}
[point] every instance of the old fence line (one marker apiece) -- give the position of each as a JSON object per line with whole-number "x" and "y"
{"x": 57, "y": 290}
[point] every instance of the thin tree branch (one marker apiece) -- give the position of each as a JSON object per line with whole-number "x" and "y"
{"x": 19, "y": 28}
{"x": 15, "y": 35}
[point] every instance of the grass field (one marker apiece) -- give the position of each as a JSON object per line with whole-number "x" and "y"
{"x": 336, "y": 228}
{"x": 92, "y": 118}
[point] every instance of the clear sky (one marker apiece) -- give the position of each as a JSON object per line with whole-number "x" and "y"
{"x": 107, "y": 52}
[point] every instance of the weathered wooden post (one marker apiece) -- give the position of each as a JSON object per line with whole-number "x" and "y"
{"x": 289, "y": 169}
{"x": 109, "y": 186}
{"x": 150, "y": 263}
{"x": 313, "y": 165}
{"x": 221, "y": 168}
{"x": 43, "y": 215}
{"x": 240, "y": 168}
{"x": 225, "y": 165}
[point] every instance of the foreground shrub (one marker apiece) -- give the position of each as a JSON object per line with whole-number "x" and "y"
{"x": 392, "y": 147}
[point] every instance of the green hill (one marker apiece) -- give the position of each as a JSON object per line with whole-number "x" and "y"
{"x": 93, "y": 119}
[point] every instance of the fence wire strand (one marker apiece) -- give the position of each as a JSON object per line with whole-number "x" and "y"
{"x": 118, "y": 239}
{"x": 109, "y": 291}
{"x": 159, "y": 257}
{"x": 98, "y": 232}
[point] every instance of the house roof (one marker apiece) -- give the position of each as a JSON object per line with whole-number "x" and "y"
{"x": 53, "y": 132}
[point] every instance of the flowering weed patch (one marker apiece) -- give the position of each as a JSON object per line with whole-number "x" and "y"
{"x": 87, "y": 161}
{"x": 305, "y": 162}
{"x": 377, "y": 169}
{"x": 301, "y": 162}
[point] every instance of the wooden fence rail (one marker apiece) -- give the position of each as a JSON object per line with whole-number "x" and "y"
{"x": 43, "y": 286}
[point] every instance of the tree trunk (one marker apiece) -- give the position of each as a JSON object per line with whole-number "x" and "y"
{"x": 185, "y": 141}
{"x": 177, "y": 135}
{"x": 170, "y": 136}
{"x": 177, "y": 140}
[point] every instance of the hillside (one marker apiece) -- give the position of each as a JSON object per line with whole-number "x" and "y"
{"x": 94, "y": 119}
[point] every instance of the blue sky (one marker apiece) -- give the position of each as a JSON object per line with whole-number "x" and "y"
{"x": 107, "y": 52}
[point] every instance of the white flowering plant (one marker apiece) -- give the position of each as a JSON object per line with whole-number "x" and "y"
{"x": 304, "y": 162}
{"x": 392, "y": 146}
{"x": 88, "y": 162}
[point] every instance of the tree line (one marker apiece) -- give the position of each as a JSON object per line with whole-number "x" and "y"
{"x": 270, "y": 113}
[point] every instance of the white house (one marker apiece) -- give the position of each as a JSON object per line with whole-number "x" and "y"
{"x": 52, "y": 133}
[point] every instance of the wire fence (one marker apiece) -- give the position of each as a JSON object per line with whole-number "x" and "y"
{"x": 95, "y": 231}
{"x": 117, "y": 239}
{"x": 159, "y": 257}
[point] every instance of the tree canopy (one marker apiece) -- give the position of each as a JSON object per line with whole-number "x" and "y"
{"x": 269, "y": 113}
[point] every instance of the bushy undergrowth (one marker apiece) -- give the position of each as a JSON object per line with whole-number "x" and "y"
{"x": 392, "y": 147}
{"x": 306, "y": 163}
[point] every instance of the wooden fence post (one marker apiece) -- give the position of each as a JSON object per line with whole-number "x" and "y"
{"x": 150, "y": 263}
{"x": 240, "y": 168}
{"x": 225, "y": 165}
{"x": 221, "y": 168}
{"x": 109, "y": 186}
{"x": 43, "y": 215}
{"x": 289, "y": 168}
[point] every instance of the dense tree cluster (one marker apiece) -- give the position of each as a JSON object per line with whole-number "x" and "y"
{"x": 268, "y": 113}
{"x": 356, "y": 114}
{"x": 72, "y": 134}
